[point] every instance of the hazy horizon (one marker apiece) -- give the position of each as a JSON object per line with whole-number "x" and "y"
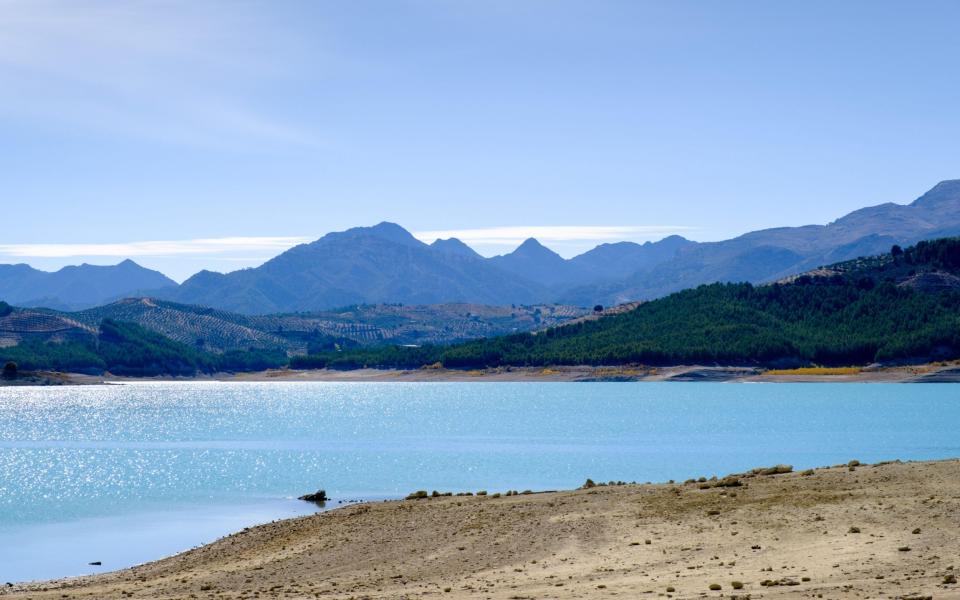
{"x": 235, "y": 131}
{"x": 488, "y": 242}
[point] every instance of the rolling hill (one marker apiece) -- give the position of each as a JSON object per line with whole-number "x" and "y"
{"x": 219, "y": 331}
{"x": 51, "y": 342}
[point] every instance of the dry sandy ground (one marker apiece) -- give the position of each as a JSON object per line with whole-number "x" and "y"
{"x": 624, "y": 541}
{"x": 941, "y": 373}
{"x": 934, "y": 373}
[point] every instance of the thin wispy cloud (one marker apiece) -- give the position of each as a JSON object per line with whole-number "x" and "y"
{"x": 509, "y": 236}
{"x": 197, "y": 247}
{"x": 175, "y": 72}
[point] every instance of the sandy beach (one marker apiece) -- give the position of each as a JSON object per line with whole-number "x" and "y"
{"x": 889, "y": 530}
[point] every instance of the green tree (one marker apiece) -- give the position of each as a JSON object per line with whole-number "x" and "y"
{"x": 10, "y": 370}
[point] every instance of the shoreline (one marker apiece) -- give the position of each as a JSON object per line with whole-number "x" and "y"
{"x": 845, "y": 530}
{"x": 924, "y": 373}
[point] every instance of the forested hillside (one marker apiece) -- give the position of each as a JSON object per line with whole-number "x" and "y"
{"x": 121, "y": 348}
{"x": 901, "y": 306}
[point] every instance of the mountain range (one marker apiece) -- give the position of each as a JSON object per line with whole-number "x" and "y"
{"x": 386, "y": 264}
{"x": 900, "y": 307}
{"x": 80, "y": 286}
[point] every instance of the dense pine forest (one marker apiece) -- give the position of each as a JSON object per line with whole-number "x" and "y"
{"x": 902, "y": 306}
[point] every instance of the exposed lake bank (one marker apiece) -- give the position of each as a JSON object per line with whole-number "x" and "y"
{"x": 887, "y": 529}
{"x": 680, "y": 373}
{"x": 922, "y": 373}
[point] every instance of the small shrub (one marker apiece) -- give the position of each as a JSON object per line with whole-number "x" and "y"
{"x": 728, "y": 482}
{"x": 815, "y": 371}
{"x": 715, "y": 586}
{"x": 774, "y": 470}
{"x": 949, "y": 578}
{"x": 853, "y": 530}
{"x": 417, "y": 495}
{"x": 737, "y": 585}
{"x": 671, "y": 589}
{"x": 588, "y": 484}
{"x": 10, "y": 370}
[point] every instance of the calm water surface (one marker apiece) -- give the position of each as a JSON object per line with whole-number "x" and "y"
{"x": 125, "y": 474}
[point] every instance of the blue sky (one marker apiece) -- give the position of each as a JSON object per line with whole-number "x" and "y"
{"x": 193, "y": 135}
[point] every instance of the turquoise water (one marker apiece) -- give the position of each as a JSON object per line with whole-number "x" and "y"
{"x": 166, "y": 466}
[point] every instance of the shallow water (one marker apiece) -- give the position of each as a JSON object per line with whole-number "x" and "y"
{"x": 124, "y": 474}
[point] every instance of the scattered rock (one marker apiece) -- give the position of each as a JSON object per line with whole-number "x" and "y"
{"x": 318, "y": 496}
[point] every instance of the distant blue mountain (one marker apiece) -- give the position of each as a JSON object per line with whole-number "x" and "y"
{"x": 386, "y": 264}
{"x": 78, "y": 287}
{"x": 454, "y": 246}
{"x": 364, "y": 265}
{"x": 771, "y": 254}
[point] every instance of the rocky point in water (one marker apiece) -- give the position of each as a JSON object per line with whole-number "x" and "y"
{"x": 318, "y": 496}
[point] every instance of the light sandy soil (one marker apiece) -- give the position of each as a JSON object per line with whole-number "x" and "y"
{"x": 934, "y": 373}
{"x": 626, "y": 541}
{"x": 937, "y": 372}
